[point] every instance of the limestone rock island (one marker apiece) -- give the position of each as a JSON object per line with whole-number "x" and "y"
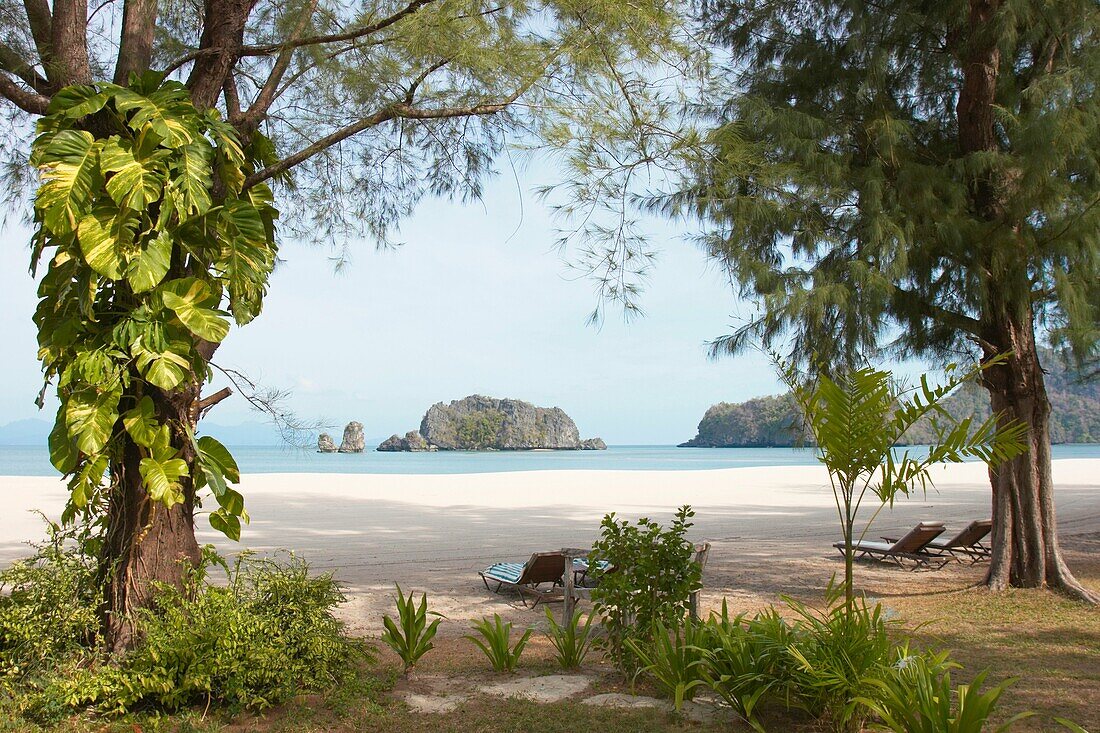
{"x": 488, "y": 423}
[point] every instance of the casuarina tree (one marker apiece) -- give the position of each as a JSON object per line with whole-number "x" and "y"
{"x": 165, "y": 135}
{"x": 922, "y": 179}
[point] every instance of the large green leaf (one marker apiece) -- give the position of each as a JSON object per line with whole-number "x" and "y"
{"x": 69, "y": 165}
{"x": 164, "y": 369}
{"x": 85, "y": 482}
{"x": 186, "y": 298}
{"x": 106, "y": 238}
{"x": 162, "y": 479}
{"x": 215, "y": 457}
{"x": 245, "y": 259}
{"x": 78, "y": 100}
{"x": 149, "y": 266}
{"x": 63, "y": 452}
{"x": 90, "y": 415}
{"x": 193, "y": 179}
{"x": 141, "y": 422}
{"x": 166, "y": 110}
{"x": 226, "y": 523}
{"x": 133, "y": 182}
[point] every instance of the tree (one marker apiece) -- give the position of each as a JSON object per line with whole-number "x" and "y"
{"x": 857, "y": 417}
{"x": 919, "y": 179}
{"x": 160, "y": 128}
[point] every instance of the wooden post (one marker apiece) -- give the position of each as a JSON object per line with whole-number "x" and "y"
{"x": 567, "y": 585}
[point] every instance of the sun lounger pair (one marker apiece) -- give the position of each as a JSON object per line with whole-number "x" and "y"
{"x": 921, "y": 547}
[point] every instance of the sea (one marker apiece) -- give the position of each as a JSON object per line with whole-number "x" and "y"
{"x": 34, "y": 460}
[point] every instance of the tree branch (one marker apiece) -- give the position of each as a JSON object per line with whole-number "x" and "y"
{"x": 207, "y": 402}
{"x": 26, "y": 100}
{"x": 41, "y": 24}
{"x": 12, "y": 62}
{"x": 270, "y": 48}
{"x": 135, "y": 48}
{"x": 267, "y": 93}
{"x": 936, "y": 312}
{"x": 222, "y": 37}
{"x": 393, "y": 111}
{"x": 350, "y": 35}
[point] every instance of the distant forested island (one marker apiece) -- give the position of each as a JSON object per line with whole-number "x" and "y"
{"x": 766, "y": 422}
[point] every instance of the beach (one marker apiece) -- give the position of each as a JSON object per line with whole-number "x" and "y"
{"x": 771, "y": 528}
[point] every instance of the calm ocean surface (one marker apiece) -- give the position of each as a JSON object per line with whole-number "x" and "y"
{"x": 34, "y": 460}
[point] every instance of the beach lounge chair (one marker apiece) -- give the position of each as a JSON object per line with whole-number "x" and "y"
{"x": 910, "y": 548}
{"x": 966, "y": 544}
{"x": 526, "y": 578}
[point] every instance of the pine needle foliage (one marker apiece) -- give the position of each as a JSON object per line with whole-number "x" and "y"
{"x": 843, "y": 193}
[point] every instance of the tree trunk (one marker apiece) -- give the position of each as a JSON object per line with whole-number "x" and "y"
{"x": 146, "y": 543}
{"x": 1026, "y": 553}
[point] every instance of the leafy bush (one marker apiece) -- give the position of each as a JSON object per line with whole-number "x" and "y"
{"x": 673, "y": 658}
{"x": 47, "y": 613}
{"x": 413, "y": 639}
{"x": 496, "y": 642}
{"x": 916, "y": 696}
{"x": 649, "y": 577}
{"x": 262, "y": 639}
{"x": 572, "y": 642}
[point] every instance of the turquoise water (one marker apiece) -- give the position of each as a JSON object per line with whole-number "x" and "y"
{"x": 34, "y": 461}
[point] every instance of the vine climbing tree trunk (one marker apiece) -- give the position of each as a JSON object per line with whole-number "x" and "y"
{"x": 146, "y": 543}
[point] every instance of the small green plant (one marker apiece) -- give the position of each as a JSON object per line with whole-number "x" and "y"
{"x": 571, "y": 641}
{"x": 839, "y": 653}
{"x": 917, "y": 697}
{"x": 748, "y": 662}
{"x": 413, "y": 638}
{"x": 496, "y": 642}
{"x": 673, "y": 658}
{"x": 646, "y": 574}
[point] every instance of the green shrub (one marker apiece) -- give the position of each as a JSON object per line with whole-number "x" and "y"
{"x": 413, "y": 638}
{"x": 649, "y": 579}
{"x": 496, "y": 642}
{"x": 572, "y": 642}
{"x": 267, "y": 636}
{"x": 673, "y": 658}
{"x": 47, "y": 613}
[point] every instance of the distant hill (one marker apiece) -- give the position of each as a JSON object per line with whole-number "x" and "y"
{"x": 772, "y": 421}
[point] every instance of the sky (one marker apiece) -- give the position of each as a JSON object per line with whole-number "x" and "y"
{"x": 477, "y": 300}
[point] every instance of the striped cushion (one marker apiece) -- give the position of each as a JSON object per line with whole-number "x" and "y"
{"x": 505, "y": 572}
{"x": 581, "y": 563}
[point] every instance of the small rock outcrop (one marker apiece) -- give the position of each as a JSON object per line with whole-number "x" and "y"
{"x": 413, "y": 441}
{"x": 325, "y": 443}
{"x": 488, "y": 423}
{"x": 353, "y": 441}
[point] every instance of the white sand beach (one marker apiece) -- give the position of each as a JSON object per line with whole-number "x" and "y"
{"x": 770, "y": 528}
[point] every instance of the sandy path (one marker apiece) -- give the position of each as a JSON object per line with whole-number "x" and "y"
{"x": 770, "y": 527}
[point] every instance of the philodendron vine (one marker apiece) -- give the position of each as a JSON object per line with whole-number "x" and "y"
{"x": 153, "y": 244}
